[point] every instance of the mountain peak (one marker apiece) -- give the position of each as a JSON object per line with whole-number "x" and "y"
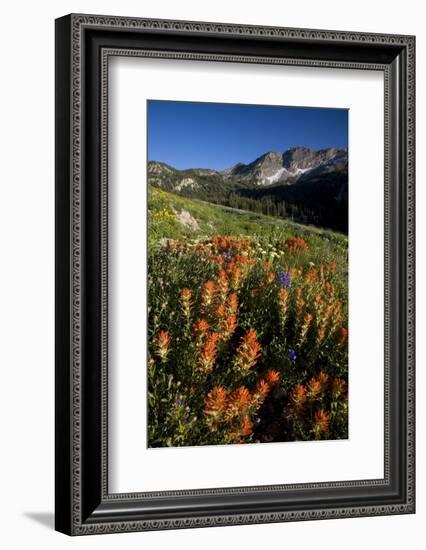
{"x": 270, "y": 155}
{"x": 300, "y": 148}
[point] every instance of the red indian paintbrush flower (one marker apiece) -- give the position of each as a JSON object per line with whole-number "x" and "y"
{"x": 300, "y": 305}
{"x": 321, "y": 423}
{"x": 328, "y": 313}
{"x": 260, "y": 392}
{"x": 283, "y": 302}
{"x": 312, "y": 274}
{"x": 208, "y": 354}
{"x": 248, "y": 352}
{"x": 220, "y": 313}
{"x": 296, "y": 244}
{"x": 246, "y": 426}
{"x": 272, "y": 377}
{"x": 338, "y": 387}
{"x": 216, "y": 401}
{"x": 201, "y": 326}
{"x": 239, "y": 401}
{"x": 222, "y": 285}
{"x": 234, "y": 276}
{"x": 323, "y": 379}
{"x": 314, "y": 389}
{"x": 232, "y": 304}
{"x": 336, "y": 317}
{"x": 307, "y": 321}
{"x": 162, "y": 345}
{"x": 229, "y": 326}
{"x": 298, "y": 397}
{"x": 207, "y": 295}
{"x": 319, "y": 307}
{"x": 320, "y": 336}
{"x": 186, "y": 302}
{"x": 343, "y": 336}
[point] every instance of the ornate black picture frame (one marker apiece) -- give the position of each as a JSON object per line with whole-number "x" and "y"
{"x": 84, "y": 43}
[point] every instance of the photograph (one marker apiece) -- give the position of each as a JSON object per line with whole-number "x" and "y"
{"x": 235, "y": 286}
{"x": 247, "y": 273}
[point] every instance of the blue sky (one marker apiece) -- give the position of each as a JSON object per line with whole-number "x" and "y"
{"x": 218, "y": 135}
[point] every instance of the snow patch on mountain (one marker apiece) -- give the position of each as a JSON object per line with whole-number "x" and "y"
{"x": 275, "y": 177}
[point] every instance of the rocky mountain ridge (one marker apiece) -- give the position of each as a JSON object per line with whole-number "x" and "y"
{"x": 271, "y": 168}
{"x": 288, "y": 167}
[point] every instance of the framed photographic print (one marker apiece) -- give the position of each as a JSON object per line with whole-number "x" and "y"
{"x": 234, "y": 274}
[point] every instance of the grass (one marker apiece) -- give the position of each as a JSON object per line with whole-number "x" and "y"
{"x": 215, "y": 219}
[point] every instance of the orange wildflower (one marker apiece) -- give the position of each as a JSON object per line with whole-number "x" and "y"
{"x": 312, "y": 274}
{"x": 328, "y": 313}
{"x": 321, "y": 423}
{"x": 283, "y": 302}
{"x": 262, "y": 387}
{"x": 216, "y": 401}
{"x": 300, "y": 304}
{"x": 260, "y": 392}
{"x": 246, "y": 426}
{"x": 329, "y": 288}
{"x": 235, "y": 277}
{"x": 296, "y": 244}
{"x": 220, "y": 312}
{"x": 314, "y": 389}
{"x": 270, "y": 276}
{"x": 336, "y": 317}
{"x": 248, "y": 352}
{"x": 186, "y": 302}
{"x": 272, "y": 377}
{"x": 222, "y": 285}
{"x": 239, "y": 401}
{"x": 338, "y": 387}
{"x": 298, "y": 397}
{"x": 293, "y": 272}
{"x": 201, "y": 326}
{"x": 320, "y": 336}
{"x": 323, "y": 379}
{"x": 343, "y": 336}
{"x": 229, "y": 326}
{"x": 305, "y": 326}
{"x": 162, "y": 345}
{"x": 207, "y": 295}
{"x": 208, "y": 354}
{"x": 232, "y": 304}
{"x": 319, "y": 301}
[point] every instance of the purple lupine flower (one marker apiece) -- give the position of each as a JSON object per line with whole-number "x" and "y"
{"x": 285, "y": 279}
{"x": 292, "y": 355}
{"x": 227, "y": 256}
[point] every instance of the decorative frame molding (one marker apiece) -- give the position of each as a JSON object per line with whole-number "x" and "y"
{"x": 84, "y": 43}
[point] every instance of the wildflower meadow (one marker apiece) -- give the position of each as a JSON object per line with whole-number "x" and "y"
{"x": 247, "y": 329}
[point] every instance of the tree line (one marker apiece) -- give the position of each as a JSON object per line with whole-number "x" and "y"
{"x": 270, "y": 207}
